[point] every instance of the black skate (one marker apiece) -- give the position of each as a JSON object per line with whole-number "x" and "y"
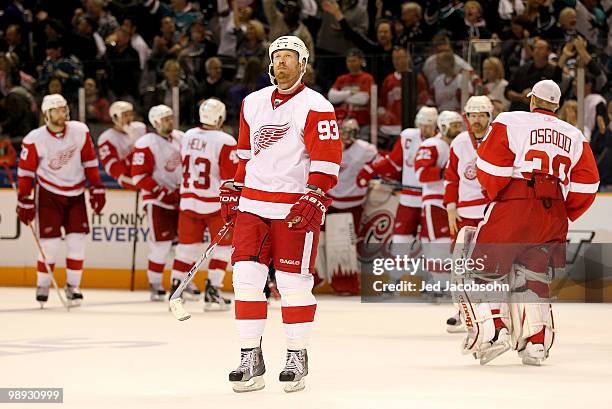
{"x": 157, "y": 292}
{"x": 248, "y": 377}
{"x": 42, "y": 295}
{"x": 295, "y": 371}
{"x": 73, "y": 295}
{"x": 213, "y": 300}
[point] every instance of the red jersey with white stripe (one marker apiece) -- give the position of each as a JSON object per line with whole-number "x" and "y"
{"x": 59, "y": 161}
{"x": 209, "y": 158}
{"x": 519, "y": 144}
{"x": 430, "y": 159}
{"x": 284, "y": 144}
{"x": 157, "y": 162}
{"x": 462, "y": 189}
{"x": 116, "y": 148}
{"x": 347, "y": 193}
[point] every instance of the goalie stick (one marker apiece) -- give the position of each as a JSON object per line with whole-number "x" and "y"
{"x": 64, "y": 302}
{"x": 176, "y": 303}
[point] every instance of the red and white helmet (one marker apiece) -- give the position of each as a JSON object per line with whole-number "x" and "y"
{"x": 426, "y": 116}
{"x": 157, "y": 113}
{"x": 480, "y": 103}
{"x": 292, "y": 43}
{"x": 212, "y": 112}
{"x": 350, "y": 128}
{"x": 117, "y": 109}
{"x": 446, "y": 118}
{"x": 53, "y": 101}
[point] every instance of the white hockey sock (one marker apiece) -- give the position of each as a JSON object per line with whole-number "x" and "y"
{"x": 177, "y": 275}
{"x": 216, "y": 276}
{"x": 43, "y": 280}
{"x": 249, "y": 279}
{"x": 154, "y": 277}
{"x": 298, "y": 306}
{"x": 73, "y": 277}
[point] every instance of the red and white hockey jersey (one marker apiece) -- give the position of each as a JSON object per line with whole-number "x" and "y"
{"x": 461, "y": 187}
{"x": 209, "y": 159}
{"x": 401, "y": 159}
{"x": 347, "y": 193}
{"x": 430, "y": 159}
{"x": 61, "y": 163}
{"x": 116, "y": 148}
{"x": 521, "y": 143}
{"x": 284, "y": 144}
{"x": 157, "y": 162}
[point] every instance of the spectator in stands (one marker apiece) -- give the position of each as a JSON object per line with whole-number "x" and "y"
{"x": 565, "y": 30}
{"x": 180, "y": 11}
{"x": 310, "y": 79}
{"x": 591, "y": 22}
{"x": 541, "y": 18}
{"x": 441, "y": 44}
{"x": 250, "y": 44}
{"x": 414, "y": 30}
{"x": 136, "y": 41}
{"x": 197, "y": 51}
{"x": 213, "y": 85}
{"x": 498, "y": 107}
{"x": 288, "y": 23}
{"x": 162, "y": 92}
{"x": 67, "y": 70}
{"x": 494, "y": 82}
{"x": 252, "y": 73}
{"x": 14, "y": 44}
{"x": 509, "y": 9}
{"x": 569, "y": 112}
{"x": 474, "y": 25}
{"x": 594, "y": 107}
{"x": 96, "y": 106}
{"x": 351, "y": 92}
{"x": 575, "y": 54}
{"x": 513, "y": 47}
{"x": 16, "y": 115}
{"x": 84, "y": 45}
{"x": 105, "y": 21}
{"x": 445, "y": 14}
{"x": 123, "y": 67}
{"x": 601, "y": 143}
{"x": 539, "y": 68}
{"x": 9, "y": 62}
{"x": 447, "y": 87}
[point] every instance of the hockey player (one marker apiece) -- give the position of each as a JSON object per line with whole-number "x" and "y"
{"x": 401, "y": 159}
{"x": 290, "y": 152}
{"x": 209, "y": 158}
{"x": 347, "y": 195}
{"x": 538, "y": 171}
{"x": 156, "y": 169}
{"x": 116, "y": 144}
{"x": 60, "y": 155}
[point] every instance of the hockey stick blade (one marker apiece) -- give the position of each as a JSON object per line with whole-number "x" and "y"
{"x": 177, "y": 309}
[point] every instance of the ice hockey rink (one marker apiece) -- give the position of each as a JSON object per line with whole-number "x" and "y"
{"x": 120, "y": 351}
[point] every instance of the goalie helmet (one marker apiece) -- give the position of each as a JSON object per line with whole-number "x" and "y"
{"x": 157, "y": 113}
{"x": 426, "y": 116}
{"x": 292, "y": 43}
{"x": 350, "y": 128}
{"x": 212, "y": 112}
{"x": 480, "y": 103}
{"x": 53, "y": 101}
{"x": 446, "y": 118}
{"x": 117, "y": 109}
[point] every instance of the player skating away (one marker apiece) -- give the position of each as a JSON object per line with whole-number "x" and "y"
{"x": 463, "y": 196}
{"x": 290, "y": 153}
{"x": 401, "y": 160}
{"x": 348, "y": 196}
{"x": 60, "y": 156}
{"x": 209, "y": 158}
{"x": 116, "y": 144}
{"x": 156, "y": 170}
{"x": 538, "y": 171}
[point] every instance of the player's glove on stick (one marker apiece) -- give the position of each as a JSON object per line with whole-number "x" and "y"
{"x": 26, "y": 209}
{"x": 166, "y": 196}
{"x": 364, "y": 176}
{"x": 97, "y": 199}
{"x": 229, "y": 196}
{"x": 308, "y": 213}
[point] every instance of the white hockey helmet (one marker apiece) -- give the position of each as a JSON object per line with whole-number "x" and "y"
{"x": 292, "y": 43}
{"x": 157, "y": 113}
{"x": 53, "y": 101}
{"x": 117, "y": 109}
{"x": 350, "y": 127}
{"x": 426, "y": 116}
{"x": 446, "y": 118}
{"x": 480, "y": 103}
{"x": 212, "y": 112}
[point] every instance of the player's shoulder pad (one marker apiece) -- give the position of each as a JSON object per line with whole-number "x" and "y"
{"x": 78, "y": 126}
{"x": 366, "y": 146}
{"x": 317, "y": 101}
{"x": 507, "y": 118}
{"x": 33, "y": 135}
{"x": 432, "y": 142}
{"x": 261, "y": 94}
{"x": 106, "y": 136}
{"x": 463, "y": 137}
{"x": 411, "y": 133}
{"x": 145, "y": 140}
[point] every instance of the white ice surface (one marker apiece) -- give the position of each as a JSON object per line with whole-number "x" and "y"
{"x": 120, "y": 351}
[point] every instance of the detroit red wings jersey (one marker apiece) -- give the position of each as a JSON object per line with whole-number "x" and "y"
{"x": 115, "y": 149}
{"x": 283, "y": 146}
{"x": 209, "y": 158}
{"x": 430, "y": 159}
{"x": 347, "y": 193}
{"x": 519, "y": 144}
{"x": 461, "y": 187}
{"x": 157, "y": 162}
{"x": 58, "y": 161}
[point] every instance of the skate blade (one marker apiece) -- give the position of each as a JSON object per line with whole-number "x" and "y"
{"x": 177, "y": 309}
{"x": 291, "y": 387}
{"x": 528, "y": 360}
{"x": 74, "y": 303}
{"x": 455, "y": 329}
{"x": 256, "y": 383}
{"x": 42, "y": 304}
{"x": 214, "y": 307}
{"x": 493, "y": 352}
{"x": 158, "y": 298}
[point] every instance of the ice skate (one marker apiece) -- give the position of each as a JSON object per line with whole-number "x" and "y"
{"x": 248, "y": 377}
{"x": 454, "y": 324}
{"x": 42, "y": 295}
{"x": 213, "y": 300}
{"x": 157, "y": 292}
{"x": 295, "y": 371}
{"x": 73, "y": 295}
{"x": 191, "y": 292}
{"x": 498, "y": 345}
{"x": 533, "y": 354}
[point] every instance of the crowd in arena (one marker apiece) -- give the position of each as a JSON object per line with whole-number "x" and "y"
{"x": 139, "y": 50}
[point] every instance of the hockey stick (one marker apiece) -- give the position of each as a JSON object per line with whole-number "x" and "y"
{"x": 40, "y": 249}
{"x": 133, "y": 271}
{"x": 176, "y": 304}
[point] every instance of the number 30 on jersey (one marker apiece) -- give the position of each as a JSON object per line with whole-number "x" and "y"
{"x": 328, "y": 129}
